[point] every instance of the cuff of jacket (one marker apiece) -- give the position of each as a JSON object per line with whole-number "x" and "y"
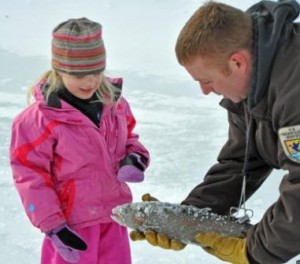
{"x": 51, "y": 222}
{"x": 251, "y": 260}
{"x": 136, "y": 160}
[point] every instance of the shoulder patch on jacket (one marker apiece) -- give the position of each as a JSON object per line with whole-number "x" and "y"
{"x": 290, "y": 141}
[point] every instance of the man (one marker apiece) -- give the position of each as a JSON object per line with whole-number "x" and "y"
{"x": 252, "y": 59}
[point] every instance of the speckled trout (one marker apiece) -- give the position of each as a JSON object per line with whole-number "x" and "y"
{"x": 180, "y": 222}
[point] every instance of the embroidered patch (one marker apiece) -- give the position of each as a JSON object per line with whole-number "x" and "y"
{"x": 290, "y": 141}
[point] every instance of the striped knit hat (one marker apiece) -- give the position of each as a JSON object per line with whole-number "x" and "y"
{"x": 77, "y": 47}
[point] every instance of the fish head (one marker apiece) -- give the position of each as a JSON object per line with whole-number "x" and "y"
{"x": 131, "y": 215}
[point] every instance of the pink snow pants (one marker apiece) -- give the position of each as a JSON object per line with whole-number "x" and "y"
{"x": 107, "y": 244}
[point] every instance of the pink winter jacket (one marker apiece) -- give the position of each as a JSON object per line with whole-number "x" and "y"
{"x": 64, "y": 166}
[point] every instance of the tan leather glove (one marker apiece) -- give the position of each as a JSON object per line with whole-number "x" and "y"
{"x": 230, "y": 249}
{"x": 153, "y": 238}
{"x": 148, "y": 198}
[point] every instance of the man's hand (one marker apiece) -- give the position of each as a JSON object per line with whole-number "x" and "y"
{"x": 148, "y": 198}
{"x": 230, "y": 249}
{"x": 153, "y": 238}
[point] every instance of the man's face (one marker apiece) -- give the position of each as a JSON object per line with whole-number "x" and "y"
{"x": 231, "y": 84}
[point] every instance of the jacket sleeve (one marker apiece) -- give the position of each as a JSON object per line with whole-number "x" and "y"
{"x": 276, "y": 238}
{"x": 222, "y": 184}
{"x": 31, "y": 157}
{"x": 133, "y": 144}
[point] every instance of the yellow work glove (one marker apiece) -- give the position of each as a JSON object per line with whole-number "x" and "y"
{"x": 153, "y": 238}
{"x": 230, "y": 249}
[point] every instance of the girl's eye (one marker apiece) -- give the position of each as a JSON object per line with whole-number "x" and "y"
{"x": 83, "y": 76}
{"x": 79, "y": 76}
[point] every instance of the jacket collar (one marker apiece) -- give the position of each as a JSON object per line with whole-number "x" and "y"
{"x": 272, "y": 23}
{"x": 54, "y": 101}
{"x": 56, "y": 109}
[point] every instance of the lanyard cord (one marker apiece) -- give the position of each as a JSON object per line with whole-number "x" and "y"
{"x": 246, "y": 213}
{"x": 245, "y": 171}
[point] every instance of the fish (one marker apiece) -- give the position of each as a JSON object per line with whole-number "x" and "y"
{"x": 177, "y": 221}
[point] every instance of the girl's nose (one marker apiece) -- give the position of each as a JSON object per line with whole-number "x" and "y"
{"x": 90, "y": 80}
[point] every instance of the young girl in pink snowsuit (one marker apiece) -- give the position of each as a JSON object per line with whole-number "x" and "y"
{"x": 73, "y": 150}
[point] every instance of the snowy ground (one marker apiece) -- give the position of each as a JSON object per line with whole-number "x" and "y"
{"x": 183, "y": 129}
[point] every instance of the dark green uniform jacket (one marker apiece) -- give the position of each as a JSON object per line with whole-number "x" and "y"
{"x": 269, "y": 124}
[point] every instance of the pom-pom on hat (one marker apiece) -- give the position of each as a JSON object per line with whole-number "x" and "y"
{"x": 77, "y": 47}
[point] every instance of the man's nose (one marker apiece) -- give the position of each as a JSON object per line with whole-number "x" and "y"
{"x": 206, "y": 89}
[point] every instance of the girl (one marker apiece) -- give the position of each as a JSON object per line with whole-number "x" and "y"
{"x": 73, "y": 149}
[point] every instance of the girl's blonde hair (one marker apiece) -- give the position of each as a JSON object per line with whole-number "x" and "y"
{"x": 106, "y": 93}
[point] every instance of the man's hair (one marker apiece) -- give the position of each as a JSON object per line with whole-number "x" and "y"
{"x": 214, "y": 31}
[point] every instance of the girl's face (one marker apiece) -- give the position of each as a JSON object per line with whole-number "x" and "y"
{"x": 82, "y": 86}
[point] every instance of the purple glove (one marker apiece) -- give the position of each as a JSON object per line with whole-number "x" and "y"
{"x": 67, "y": 243}
{"x": 129, "y": 173}
{"x": 131, "y": 169}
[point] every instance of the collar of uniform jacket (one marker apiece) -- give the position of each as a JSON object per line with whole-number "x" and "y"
{"x": 272, "y": 21}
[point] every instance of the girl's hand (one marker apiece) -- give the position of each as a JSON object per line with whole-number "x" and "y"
{"x": 67, "y": 242}
{"x": 131, "y": 169}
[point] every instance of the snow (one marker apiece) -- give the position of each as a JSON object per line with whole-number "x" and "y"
{"x": 183, "y": 129}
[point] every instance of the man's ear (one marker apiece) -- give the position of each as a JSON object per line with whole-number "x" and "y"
{"x": 240, "y": 61}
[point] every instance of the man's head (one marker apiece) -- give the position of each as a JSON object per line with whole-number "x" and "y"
{"x": 215, "y": 47}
